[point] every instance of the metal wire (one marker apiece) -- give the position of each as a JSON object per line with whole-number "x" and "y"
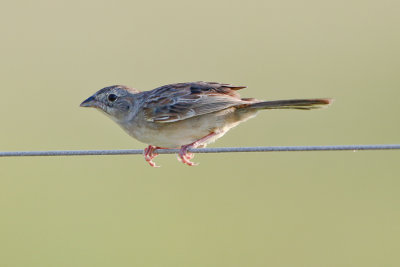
{"x": 199, "y": 150}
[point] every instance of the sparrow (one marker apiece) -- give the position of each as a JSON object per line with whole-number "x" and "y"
{"x": 184, "y": 115}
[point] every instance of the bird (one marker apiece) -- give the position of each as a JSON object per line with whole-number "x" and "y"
{"x": 184, "y": 115}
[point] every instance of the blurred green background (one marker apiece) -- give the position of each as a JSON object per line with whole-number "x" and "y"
{"x": 249, "y": 209}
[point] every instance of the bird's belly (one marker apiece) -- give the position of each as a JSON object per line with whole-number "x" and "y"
{"x": 177, "y": 134}
{"x": 170, "y": 135}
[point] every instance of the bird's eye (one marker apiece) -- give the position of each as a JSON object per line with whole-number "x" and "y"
{"x": 112, "y": 97}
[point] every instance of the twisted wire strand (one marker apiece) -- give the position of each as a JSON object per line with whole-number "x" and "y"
{"x": 200, "y": 150}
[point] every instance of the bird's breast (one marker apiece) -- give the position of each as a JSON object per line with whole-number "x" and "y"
{"x": 179, "y": 133}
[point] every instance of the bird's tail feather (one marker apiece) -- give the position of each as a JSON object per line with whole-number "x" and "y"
{"x": 303, "y": 104}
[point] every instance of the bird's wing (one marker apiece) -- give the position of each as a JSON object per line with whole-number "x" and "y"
{"x": 180, "y": 101}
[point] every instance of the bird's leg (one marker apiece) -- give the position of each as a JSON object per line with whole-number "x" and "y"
{"x": 149, "y": 155}
{"x": 184, "y": 156}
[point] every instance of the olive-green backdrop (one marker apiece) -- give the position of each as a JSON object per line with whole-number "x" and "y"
{"x": 247, "y": 209}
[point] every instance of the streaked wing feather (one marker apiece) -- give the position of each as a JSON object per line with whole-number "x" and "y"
{"x": 181, "y": 101}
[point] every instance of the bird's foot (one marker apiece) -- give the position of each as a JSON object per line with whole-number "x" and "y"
{"x": 149, "y": 155}
{"x": 185, "y": 156}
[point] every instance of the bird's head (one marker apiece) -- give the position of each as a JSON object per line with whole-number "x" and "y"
{"x": 116, "y": 101}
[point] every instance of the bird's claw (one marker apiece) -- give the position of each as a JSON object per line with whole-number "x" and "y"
{"x": 149, "y": 155}
{"x": 184, "y": 156}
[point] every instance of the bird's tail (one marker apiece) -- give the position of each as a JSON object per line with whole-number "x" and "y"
{"x": 303, "y": 104}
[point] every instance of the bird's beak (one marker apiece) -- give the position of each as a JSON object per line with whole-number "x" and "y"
{"x": 90, "y": 102}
